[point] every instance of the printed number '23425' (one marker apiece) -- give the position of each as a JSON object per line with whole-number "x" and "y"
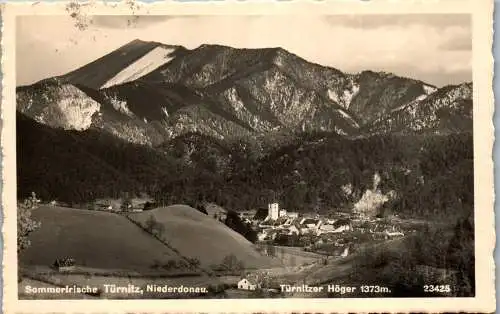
{"x": 437, "y": 288}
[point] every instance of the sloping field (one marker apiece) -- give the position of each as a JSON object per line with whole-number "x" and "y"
{"x": 197, "y": 235}
{"x": 93, "y": 239}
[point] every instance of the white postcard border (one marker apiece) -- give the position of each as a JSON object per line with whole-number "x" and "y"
{"x": 482, "y": 11}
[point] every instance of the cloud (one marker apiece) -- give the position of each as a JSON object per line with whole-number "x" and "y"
{"x": 416, "y": 48}
{"x": 122, "y": 21}
{"x": 457, "y": 39}
{"x": 401, "y": 20}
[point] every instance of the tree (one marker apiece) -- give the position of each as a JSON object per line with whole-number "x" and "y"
{"x": 154, "y": 227}
{"x": 231, "y": 262}
{"x": 150, "y": 224}
{"x": 271, "y": 250}
{"x": 265, "y": 280}
{"x": 194, "y": 262}
{"x": 25, "y": 224}
{"x": 282, "y": 253}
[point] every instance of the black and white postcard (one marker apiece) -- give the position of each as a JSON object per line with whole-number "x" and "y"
{"x": 275, "y": 156}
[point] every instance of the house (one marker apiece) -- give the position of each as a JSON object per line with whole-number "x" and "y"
{"x": 304, "y": 230}
{"x": 338, "y": 226}
{"x": 280, "y": 221}
{"x": 103, "y": 206}
{"x": 64, "y": 264}
{"x": 391, "y": 234}
{"x": 293, "y": 229}
{"x": 342, "y": 228}
{"x": 292, "y": 214}
{"x": 325, "y": 228}
{"x": 282, "y": 213}
{"x": 342, "y": 225}
{"x": 330, "y": 221}
{"x": 309, "y": 222}
{"x": 261, "y": 236}
{"x": 246, "y": 284}
{"x": 268, "y": 223}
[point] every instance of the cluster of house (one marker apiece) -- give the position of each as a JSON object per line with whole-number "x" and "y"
{"x": 279, "y": 221}
{"x": 113, "y": 205}
{"x": 130, "y": 205}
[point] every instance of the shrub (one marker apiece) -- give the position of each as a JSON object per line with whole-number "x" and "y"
{"x": 154, "y": 227}
{"x": 194, "y": 262}
{"x": 231, "y": 262}
{"x": 156, "y": 264}
{"x": 182, "y": 264}
{"x": 25, "y": 224}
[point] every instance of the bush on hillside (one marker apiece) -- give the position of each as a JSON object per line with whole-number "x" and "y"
{"x": 229, "y": 263}
{"x": 154, "y": 227}
{"x": 193, "y": 262}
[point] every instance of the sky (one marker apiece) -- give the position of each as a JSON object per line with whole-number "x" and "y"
{"x": 436, "y": 49}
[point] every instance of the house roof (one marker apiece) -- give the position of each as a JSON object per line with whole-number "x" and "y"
{"x": 249, "y": 280}
{"x": 308, "y": 221}
{"x": 341, "y": 222}
{"x": 327, "y": 227}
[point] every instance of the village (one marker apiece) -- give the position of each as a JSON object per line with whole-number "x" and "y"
{"x": 335, "y": 234}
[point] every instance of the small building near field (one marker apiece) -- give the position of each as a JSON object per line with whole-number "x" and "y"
{"x": 64, "y": 264}
{"x": 246, "y": 284}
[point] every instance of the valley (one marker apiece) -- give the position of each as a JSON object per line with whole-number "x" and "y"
{"x": 241, "y": 170}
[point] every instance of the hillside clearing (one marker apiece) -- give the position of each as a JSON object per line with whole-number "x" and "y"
{"x": 196, "y": 235}
{"x": 93, "y": 239}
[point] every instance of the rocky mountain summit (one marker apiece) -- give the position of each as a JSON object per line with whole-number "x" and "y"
{"x": 149, "y": 93}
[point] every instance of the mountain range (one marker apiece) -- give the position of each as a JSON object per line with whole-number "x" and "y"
{"x": 216, "y": 121}
{"x": 148, "y": 93}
